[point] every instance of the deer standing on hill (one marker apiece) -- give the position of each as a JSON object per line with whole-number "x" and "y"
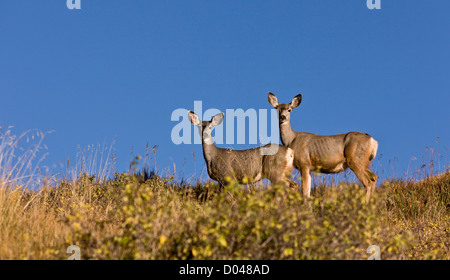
{"x": 274, "y": 162}
{"x": 326, "y": 154}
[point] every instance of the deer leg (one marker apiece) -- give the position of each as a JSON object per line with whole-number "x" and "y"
{"x": 284, "y": 181}
{"x": 278, "y": 179}
{"x": 367, "y": 178}
{"x": 277, "y": 172}
{"x": 306, "y": 182}
{"x": 372, "y": 182}
{"x": 287, "y": 180}
{"x": 293, "y": 185}
{"x": 283, "y": 178}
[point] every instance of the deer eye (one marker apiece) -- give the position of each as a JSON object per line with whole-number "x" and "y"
{"x": 289, "y": 110}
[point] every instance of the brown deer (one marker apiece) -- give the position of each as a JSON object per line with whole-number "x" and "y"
{"x": 326, "y": 154}
{"x": 273, "y": 161}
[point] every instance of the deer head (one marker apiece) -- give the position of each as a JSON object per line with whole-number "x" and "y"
{"x": 284, "y": 109}
{"x": 205, "y": 127}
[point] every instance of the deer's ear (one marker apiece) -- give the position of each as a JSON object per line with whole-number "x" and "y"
{"x": 272, "y": 99}
{"x": 217, "y": 119}
{"x": 296, "y": 101}
{"x": 195, "y": 120}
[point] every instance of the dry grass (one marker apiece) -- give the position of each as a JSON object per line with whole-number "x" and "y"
{"x": 124, "y": 218}
{"x": 128, "y": 218}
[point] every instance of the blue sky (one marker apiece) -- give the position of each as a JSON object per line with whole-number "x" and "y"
{"x": 116, "y": 70}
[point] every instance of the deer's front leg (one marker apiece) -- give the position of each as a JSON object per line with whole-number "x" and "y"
{"x": 306, "y": 182}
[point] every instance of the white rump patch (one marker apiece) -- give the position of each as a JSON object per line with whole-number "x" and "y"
{"x": 374, "y": 146}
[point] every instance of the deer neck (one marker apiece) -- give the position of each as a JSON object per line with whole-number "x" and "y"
{"x": 209, "y": 149}
{"x": 287, "y": 133}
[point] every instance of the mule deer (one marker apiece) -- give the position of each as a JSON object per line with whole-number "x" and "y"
{"x": 274, "y": 163}
{"x": 326, "y": 154}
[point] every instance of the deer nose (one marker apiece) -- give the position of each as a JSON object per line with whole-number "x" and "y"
{"x": 282, "y": 118}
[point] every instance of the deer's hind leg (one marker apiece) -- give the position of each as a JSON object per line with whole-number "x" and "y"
{"x": 365, "y": 175}
{"x": 278, "y": 168}
{"x": 358, "y": 156}
{"x": 277, "y": 176}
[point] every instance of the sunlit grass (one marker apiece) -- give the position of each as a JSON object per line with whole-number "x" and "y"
{"x": 150, "y": 216}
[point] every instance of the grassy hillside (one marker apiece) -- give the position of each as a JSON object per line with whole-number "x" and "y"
{"x": 126, "y": 218}
{"x": 153, "y": 217}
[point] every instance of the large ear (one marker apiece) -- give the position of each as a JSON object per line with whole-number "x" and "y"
{"x": 272, "y": 99}
{"x": 217, "y": 119}
{"x": 195, "y": 120}
{"x": 296, "y": 101}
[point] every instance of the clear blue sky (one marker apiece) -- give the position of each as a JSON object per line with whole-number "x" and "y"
{"x": 117, "y": 70}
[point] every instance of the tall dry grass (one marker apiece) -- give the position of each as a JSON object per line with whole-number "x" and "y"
{"x": 146, "y": 216}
